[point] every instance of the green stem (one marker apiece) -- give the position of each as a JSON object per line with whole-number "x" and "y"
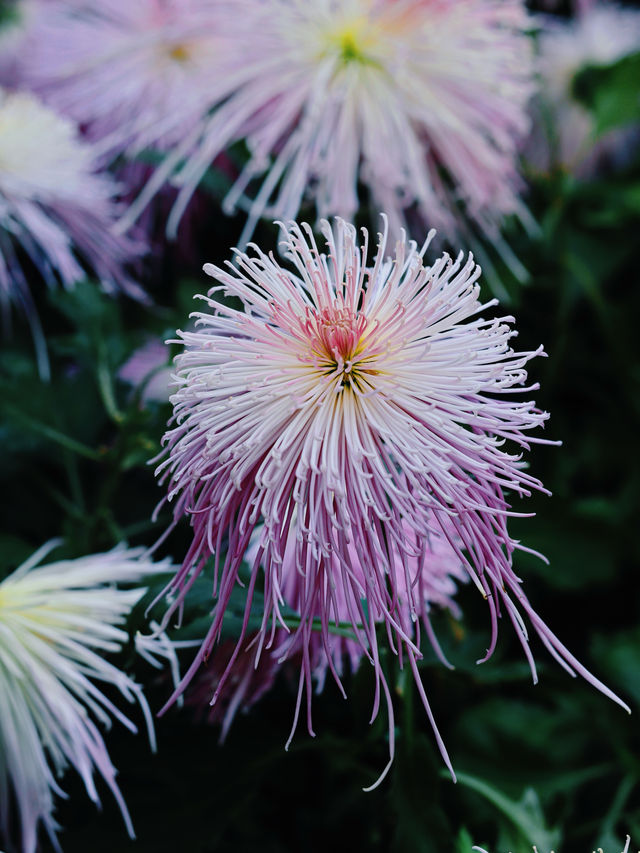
{"x": 69, "y": 506}
{"x": 55, "y": 435}
{"x": 622, "y": 795}
{"x": 408, "y": 728}
{"x": 105, "y": 386}
{"x": 342, "y": 629}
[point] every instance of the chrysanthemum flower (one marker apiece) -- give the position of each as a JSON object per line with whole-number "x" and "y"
{"x": 56, "y": 211}
{"x": 56, "y": 624}
{"x": 422, "y": 101}
{"x": 353, "y": 410}
{"x": 601, "y": 33}
{"x": 135, "y": 75}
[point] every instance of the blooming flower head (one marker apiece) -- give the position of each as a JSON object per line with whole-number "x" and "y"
{"x": 422, "y": 101}
{"x": 56, "y": 624}
{"x": 361, "y": 413}
{"x": 55, "y": 210}
{"x": 136, "y": 75}
{"x": 601, "y": 33}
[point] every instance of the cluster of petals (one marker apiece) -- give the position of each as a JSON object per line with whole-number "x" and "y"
{"x": 423, "y": 102}
{"x": 358, "y": 412}
{"x": 135, "y": 75}
{"x": 251, "y": 675}
{"x": 56, "y": 210}
{"x": 600, "y": 33}
{"x": 57, "y": 623}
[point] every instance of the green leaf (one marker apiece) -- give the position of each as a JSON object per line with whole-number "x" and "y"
{"x": 86, "y": 306}
{"x": 52, "y": 434}
{"x": 619, "y": 657}
{"x": 419, "y": 821}
{"x": 579, "y": 554}
{"x": 526, "y": 814}
{"x": 464, "y": 842}
{"x": 10, "y": 15}
{"x": 612, "y": 93}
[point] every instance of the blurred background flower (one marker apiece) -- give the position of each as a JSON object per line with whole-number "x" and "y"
{"x": 149, "y": 372}
{"x": 421, "y": 102}
{"x": 57, "y": 211}
{"x": 566, "y": 135}
{"x": 135, "y": 76}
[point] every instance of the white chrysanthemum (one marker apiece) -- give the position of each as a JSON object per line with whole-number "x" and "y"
{"x": 55, "y": 209}
{"x": 59, "y": 170}
{"x": 56, "y": 624}
{"x": 422, "y": 101}
{"x": 600, "y": 34}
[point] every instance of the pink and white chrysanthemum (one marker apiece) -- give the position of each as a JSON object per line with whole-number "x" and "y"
{"x": 601, "y": 33}
{"x": 57, "y": 622}
{"x": 421, "y": 101}
{"x": 352, "y": 410}
{"x": 55, "y": 209}
{"x": 135, "y": 75}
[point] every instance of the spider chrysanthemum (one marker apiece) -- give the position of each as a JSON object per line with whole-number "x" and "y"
{"x": 421, "y": 101}
{"x": 361, "y": 412}
{"x": 57, "y": 689}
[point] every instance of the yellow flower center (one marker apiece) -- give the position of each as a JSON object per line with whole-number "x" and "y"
{"x": 355, "y": 41}
{"x": 337, "y": 348}
{"x": 180, "y": 53}
{"x": 369, "y": 39}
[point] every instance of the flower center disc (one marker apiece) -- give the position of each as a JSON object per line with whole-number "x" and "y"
{"x": 335, "y": 335}
{"x": 180, "y": 53}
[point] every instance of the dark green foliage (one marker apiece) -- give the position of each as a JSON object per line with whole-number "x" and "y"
{"x": 611, "y": 92}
